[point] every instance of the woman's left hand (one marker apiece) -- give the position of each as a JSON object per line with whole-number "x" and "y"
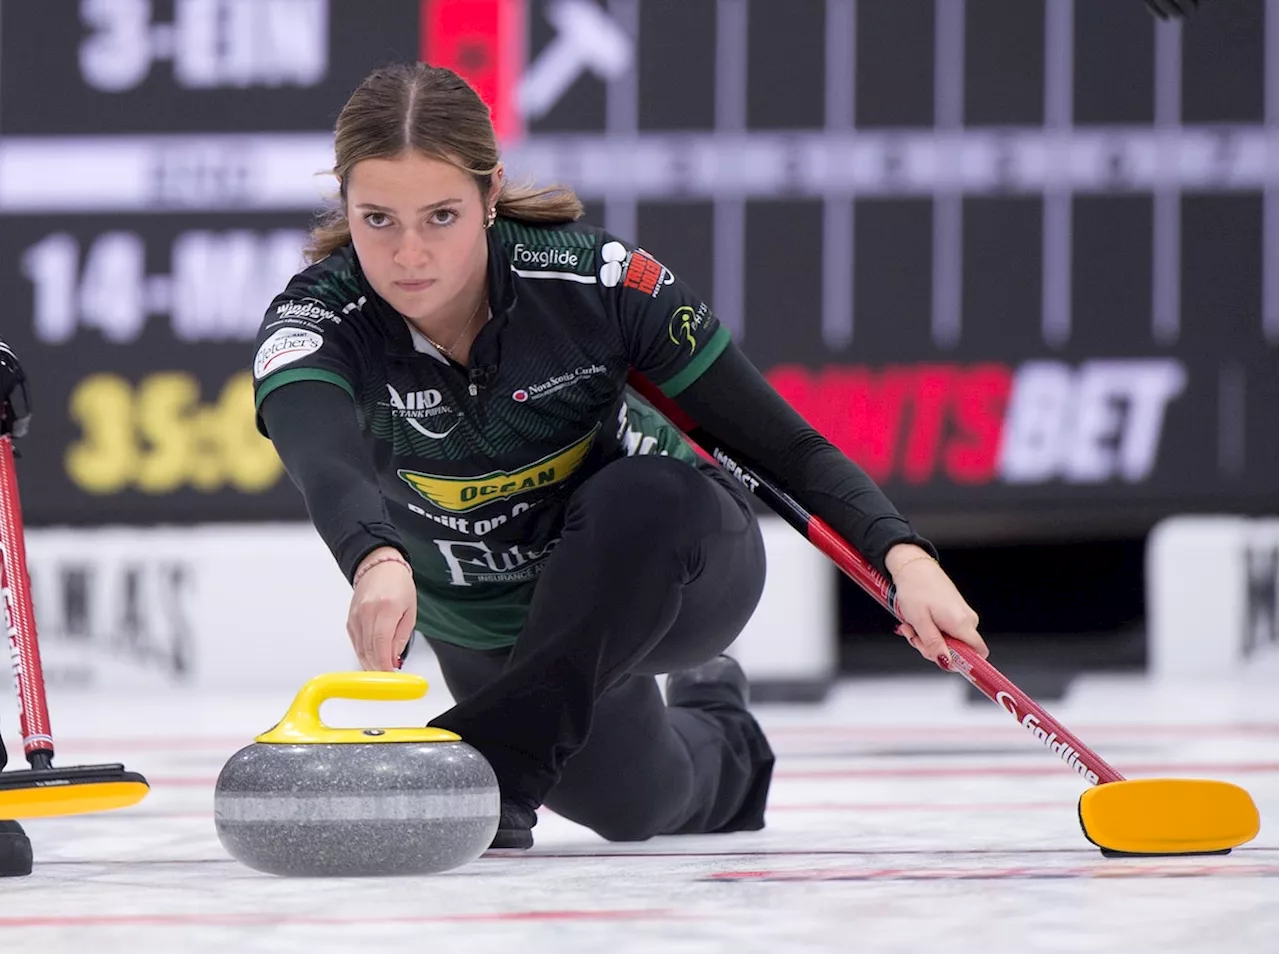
{"x": 930, "y": 605}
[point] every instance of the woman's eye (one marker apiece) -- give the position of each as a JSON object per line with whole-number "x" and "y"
{"x": 443, "y": 217}
{"x": 376, "y": 219}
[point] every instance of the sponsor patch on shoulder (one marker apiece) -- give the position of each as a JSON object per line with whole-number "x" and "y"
{"x": 685, "y": 324}
{"x": 310, "y": 309}
{"x": 636, "y": 269}
{"x": 284, "y": 346}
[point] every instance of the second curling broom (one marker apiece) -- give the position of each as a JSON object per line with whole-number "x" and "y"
{"x": 41, "y": 790}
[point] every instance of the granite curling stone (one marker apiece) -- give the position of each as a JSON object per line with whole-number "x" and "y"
{"x": 309, "y": 800}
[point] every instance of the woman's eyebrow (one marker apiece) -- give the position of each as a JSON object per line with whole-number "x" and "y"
{"x": 373, "y": 207}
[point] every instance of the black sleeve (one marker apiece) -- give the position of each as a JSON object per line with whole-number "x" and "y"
{"x": 733, "y": 401}
{"x": 313, "y": 427}
{"x": 10, "y": 371}
{"x": 12, "y": 421}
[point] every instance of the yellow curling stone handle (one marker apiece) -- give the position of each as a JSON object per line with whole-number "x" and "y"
{"x": 301, "y": 725}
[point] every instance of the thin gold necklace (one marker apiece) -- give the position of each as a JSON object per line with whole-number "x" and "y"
{"x": 448, "y": 352}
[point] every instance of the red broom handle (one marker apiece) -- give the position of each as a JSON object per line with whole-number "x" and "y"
{"x": 20, "y": 620}
{"x": 963, "y": 658}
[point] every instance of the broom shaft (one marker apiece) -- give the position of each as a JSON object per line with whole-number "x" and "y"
{"x": 963, "y": 658}
{"x": 20, "y": 621}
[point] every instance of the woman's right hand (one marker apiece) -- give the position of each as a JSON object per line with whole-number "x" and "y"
{"x": 384, "y": 609}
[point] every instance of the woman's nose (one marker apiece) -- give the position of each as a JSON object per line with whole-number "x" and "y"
{"x": 412, "y": 251}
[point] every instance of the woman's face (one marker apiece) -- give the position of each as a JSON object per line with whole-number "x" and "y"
{"x": 417, "y": 225}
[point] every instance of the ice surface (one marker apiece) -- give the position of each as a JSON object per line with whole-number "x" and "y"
{"x": 902, "y": 819}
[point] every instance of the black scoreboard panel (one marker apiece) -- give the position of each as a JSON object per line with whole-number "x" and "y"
{"x": 138, "y": 338}
{"x": 146, "y": 224}
{"x": 1017, "y": 257}
{"x": 189, "y": 66}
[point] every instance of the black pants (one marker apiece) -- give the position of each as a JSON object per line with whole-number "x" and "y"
{"x": 658, "y": 568}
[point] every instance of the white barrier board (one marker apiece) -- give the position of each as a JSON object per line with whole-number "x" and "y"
{"x": 264, "y": 605}
{"x": 1211, "y": 598}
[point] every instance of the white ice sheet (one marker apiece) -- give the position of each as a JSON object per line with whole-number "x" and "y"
{"x": 902, "y": 819}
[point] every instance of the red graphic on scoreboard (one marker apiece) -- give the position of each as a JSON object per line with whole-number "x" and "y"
{"x": 1097, "y": 422}
{"x": 907, "y": 421}
{"x": 483, "y": 41}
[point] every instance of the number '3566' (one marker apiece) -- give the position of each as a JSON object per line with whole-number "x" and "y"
{"x": 159, "y": 436}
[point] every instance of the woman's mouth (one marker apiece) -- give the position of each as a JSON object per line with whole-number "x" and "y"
{"x": 415, "y": 285}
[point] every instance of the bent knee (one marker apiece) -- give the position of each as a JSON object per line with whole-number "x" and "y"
{"x": 629, "y": 829}
{"x": 654, "y": 483}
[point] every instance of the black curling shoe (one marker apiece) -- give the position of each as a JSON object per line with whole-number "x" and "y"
{"x": 515, "y": 826}
{"x": 15, "y": 850}
{"x": 719, "y": 682}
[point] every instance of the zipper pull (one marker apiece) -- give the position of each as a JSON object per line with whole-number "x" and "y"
{"x": 472, "y": 390}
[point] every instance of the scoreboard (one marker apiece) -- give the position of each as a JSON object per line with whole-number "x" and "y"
{"x": 1016, "y": 257}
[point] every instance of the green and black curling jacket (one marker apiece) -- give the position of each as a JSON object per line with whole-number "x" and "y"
{"x": 467, "y": 469}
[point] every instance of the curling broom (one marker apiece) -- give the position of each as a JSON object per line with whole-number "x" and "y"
{"x": 42, "y": 790}
{"x": 1154, "y": 816}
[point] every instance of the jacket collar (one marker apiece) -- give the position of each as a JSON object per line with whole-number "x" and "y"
{"x": 502, "y": 287}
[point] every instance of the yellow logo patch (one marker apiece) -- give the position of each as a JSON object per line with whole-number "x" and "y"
{"x": 460, "y": 494}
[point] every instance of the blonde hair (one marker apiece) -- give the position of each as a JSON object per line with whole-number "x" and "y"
{"x": 434, "y": 111}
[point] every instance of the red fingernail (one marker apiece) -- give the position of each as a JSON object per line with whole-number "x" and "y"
{"x": 944, "y": 661}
